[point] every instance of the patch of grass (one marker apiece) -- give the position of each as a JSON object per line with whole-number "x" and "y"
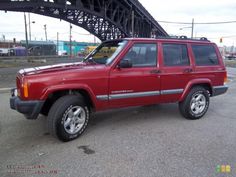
{"x": 230, "y": 63}
{"x": 7, "y": 65}
{"x": 20, "y": 64}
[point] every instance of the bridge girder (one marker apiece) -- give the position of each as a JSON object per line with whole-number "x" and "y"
{"x": 106, "y": 19}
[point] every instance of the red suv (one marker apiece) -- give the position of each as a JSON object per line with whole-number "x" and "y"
{"x": 122, "y": 73}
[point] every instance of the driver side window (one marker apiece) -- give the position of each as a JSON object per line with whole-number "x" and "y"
{"x": 142, "y": 55}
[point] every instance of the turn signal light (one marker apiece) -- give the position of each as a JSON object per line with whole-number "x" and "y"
{"x": 25, "y": 88}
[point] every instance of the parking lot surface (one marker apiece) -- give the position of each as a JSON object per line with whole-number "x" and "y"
{"x": 145, "y": 141}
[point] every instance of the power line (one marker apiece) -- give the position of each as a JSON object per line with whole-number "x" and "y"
{"x": 6, "y": 32}
{"x": 233, "y": 36}
{"x": 82, "y": 33}
{"x": 200, "y": 23}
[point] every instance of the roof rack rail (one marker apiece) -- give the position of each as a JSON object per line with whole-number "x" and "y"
{"x": 183, "y": 38}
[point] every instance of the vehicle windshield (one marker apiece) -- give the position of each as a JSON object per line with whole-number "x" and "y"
{"x": 106, "y": 52}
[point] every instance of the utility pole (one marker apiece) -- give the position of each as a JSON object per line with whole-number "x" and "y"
{"x": 70, "y": 41}
{"x": 26, "y": 35}
{"x": 29, "y": 26}
{"x": 192, "y": 28}
{"x": 132, "y": 23}
{"x": 57, "y": 43}
{"x": 45, "y": 28}
{"x": 4, "y": 38}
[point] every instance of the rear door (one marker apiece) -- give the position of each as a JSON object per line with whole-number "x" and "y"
{"x": 176, "y": 70}
{"x": 140, "y": 84}
{"x": 208, "y": 63}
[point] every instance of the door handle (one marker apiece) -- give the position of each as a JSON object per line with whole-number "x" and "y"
{"x": 155, "y": 71}
{"x": 188, "y": 70}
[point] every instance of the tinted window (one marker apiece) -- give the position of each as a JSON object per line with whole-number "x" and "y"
{"x": 175, "y": 55}
{"x": 205, "y": 55}
{"x": 142, "y": 55}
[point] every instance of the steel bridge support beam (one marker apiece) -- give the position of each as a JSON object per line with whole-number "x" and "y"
{"x": 106, "y": 19}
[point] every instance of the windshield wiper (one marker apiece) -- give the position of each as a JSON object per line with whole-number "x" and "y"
{"x": 91, "y": 60}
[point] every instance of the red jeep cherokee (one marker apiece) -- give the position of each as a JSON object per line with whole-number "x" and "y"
{"x": 122, "y": 73}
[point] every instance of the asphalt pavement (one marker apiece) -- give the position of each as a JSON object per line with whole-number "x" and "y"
{"x": 149, "y": 141}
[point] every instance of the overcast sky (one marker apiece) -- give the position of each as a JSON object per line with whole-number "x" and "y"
{"x": 12, "y": 24}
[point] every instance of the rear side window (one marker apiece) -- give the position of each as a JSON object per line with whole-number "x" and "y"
{"x": 175, "y": 55}
{"x": 205, "y": 55}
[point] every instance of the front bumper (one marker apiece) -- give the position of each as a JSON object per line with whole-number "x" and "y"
{"x": 219, "y": 90}
{"x": 30, "y": 109}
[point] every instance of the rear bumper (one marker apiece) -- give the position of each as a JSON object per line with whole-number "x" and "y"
{"x": 30, "y": 109}
{"x": 219, "y": 90}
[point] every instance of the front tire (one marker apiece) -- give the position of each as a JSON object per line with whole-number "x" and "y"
{"x": 68, "y": 117}
{"x": 196, "y": 104}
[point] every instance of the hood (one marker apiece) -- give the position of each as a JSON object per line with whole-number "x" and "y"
{"x": 54, "y": 68}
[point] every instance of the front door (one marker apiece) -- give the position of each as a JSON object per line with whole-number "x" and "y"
{"x": 140, "y": 84}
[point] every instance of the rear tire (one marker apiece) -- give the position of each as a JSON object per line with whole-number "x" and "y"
{"x": 68, "y": 117}
{"x": 196, "y": 104}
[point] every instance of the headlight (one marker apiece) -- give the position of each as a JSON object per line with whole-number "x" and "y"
{"x": 14, "y": 92}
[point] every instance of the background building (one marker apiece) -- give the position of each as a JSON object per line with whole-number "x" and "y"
{"x": 44, "y": 48}
{"x": 76, "y": 47}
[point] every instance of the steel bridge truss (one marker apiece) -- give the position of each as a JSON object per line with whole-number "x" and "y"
{"x": 106, "y": 19}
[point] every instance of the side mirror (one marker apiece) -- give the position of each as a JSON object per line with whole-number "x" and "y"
{"x": 125, "y": 63}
